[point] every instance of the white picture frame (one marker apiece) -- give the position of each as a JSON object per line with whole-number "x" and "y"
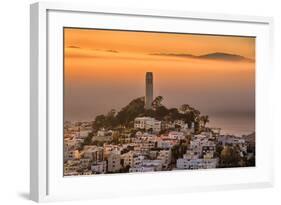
{"x": 46, "y": 179}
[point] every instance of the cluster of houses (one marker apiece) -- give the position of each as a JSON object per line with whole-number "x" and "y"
{"x": 147, "y": 150}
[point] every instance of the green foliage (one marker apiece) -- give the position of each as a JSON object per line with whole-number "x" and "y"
{"x": 87, "y": 140}
{"x": 163, "y": 131}
{"x": 127, "y": 114}
{"x": 105, "y": 121}
{"x": 219, "y": 148}
{"x": 161, "y": 112}
{"x": 197, "y": 126}
{"x": 174, "y": 114}
{"x": 98, "y": 143}
{"x": 100, "y": 121}
{"x": 185, "y": 108}
{"x": 188, "y": 139}
{"x": 125, "y": 117}
{"x": 116, "y": 138}
{"x": 157, "y": 102}
{"x": 229, "y": 157}
{"x": 205, "y": 119}
{"x": 149, "y": 113}
{"x": 178, "y": 151}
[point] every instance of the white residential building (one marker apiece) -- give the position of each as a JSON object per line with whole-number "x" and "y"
{"x": 176, "y": 135}
{"x": 157, "y": 164}
{"x": 182, "y": 125}
{"x": 99, "y": 168}
{"x": 108, "y": 148}
{"x": 132, "y": 159}
{"x": 227, "y": 139}
{"x": 153, "y": 154}
{"x": 128, "y": 159}
{"x": 197, "y": 144}
{"x": 147, "y": 166}
{"x": 85, "y": 163}
{"x": 103, "y": 132}
{"x": 114, "y": 162}
{"x": 183, "y": 163}
{"x": 70, "y": 170}
{"x": 93, "y": 153}
{"x": 83, "y": 133}
{"x": 190, "y": 154}
{"x": 208, "y": 151}
{"x": 72, "y": 143}
{"x": 138, "y": 160}
{"x": 71, "y": 154}
{"x": 165, "y": 144}
{"x": 166, "y": 157}
{"x": 73, "y": 162}
{"x": 147, "y": 123}
{"x": 147, "y": 145}
{"x": 141, "y": 169}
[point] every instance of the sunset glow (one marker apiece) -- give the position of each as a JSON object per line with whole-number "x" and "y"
{"x": 149, "y": 101}
{"x": 105, "y": 64}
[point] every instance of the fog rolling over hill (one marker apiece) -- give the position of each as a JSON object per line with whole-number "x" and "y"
{"x": 211, "y": 56}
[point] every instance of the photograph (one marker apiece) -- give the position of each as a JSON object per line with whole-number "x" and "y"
{"x": 149, "y": 101}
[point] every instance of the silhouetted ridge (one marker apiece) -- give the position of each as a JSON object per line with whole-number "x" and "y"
{"x": 210, "y": 56}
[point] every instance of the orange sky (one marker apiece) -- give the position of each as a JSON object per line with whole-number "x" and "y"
{"x": 101, "y": 65}
{"x": 148, "y": 42}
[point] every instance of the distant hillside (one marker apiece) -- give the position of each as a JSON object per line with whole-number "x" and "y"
{"x": 224, "y": 56}
{"x": 210, "y": 56}
{"x": 251, "y": 138}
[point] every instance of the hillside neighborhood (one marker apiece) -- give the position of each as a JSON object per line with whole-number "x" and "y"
{"x": 148, "y": 139}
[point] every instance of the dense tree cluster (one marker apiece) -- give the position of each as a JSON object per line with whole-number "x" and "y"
{"x": 126, "y": 116}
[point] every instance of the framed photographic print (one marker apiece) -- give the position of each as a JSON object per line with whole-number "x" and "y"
{"x": 127, "y": 102}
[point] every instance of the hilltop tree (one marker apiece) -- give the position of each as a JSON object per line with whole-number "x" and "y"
{"x": 149, "y": 113}
{"x": 157, "y": 102}
{"x": 205, "y": 119}
{"x": 229, "y": 157}
{"x": 195, "y": 113}
{"x": 161, "y": 112}
{"x": 87, "y": 140}
{"x": 110, "y": 118}
{"x": 125, "y": 117}
{"x": 105, "y": 121}
{"x": 128, "y": 113}
{"x": 185, "y": 108}
{"x": 100, "y": 121}
{"x": 174, "y": 114}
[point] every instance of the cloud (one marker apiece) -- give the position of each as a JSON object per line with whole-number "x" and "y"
{"x": 112, "y": 51}
{"x": 73, "y": 47}
{"x": 76, "y": 51}
{"x": 210, "y": 56}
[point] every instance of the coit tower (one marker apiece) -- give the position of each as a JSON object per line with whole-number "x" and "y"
{"x": 148, "y": 90}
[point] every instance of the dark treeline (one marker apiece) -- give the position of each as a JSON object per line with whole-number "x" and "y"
{"x": 125, "y": 117}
